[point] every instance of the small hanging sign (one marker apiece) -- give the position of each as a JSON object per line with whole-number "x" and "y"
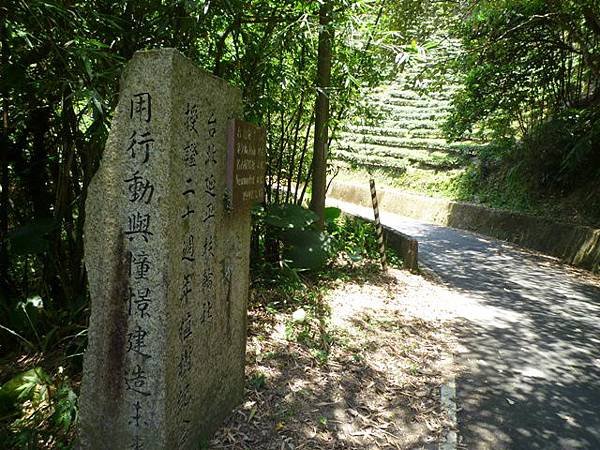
{"x": 246, "y": 159}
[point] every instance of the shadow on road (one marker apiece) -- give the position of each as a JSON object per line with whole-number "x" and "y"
{"x": 530, "y": 337}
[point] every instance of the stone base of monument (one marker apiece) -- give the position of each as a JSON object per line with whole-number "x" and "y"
{"x": 167, "y": 262}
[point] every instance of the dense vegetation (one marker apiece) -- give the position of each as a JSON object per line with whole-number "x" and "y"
{"x": 60, "y": 66}
{"x": 532, "y": 86}
{"x": 61, "y": 63}
{"x": 527, "y": 79}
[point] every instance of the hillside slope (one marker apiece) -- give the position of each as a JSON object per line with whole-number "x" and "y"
{"x": 403, "y": 131}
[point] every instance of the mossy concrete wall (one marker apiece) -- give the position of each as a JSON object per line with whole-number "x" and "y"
{"x": 573, "y": 244}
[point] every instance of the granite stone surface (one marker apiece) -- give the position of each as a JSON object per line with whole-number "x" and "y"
{"x": 167, "y": 263}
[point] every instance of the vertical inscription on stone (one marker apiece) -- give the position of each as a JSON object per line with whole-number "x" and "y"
{"x": 246, "y": 157}
{"x": 167, "y": 267}
{"x": 185, "y": 332}
{"x": 138, "y": 191}
{"x": 208, "y": 219}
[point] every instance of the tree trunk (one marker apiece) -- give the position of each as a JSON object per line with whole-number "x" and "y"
{"x": 320, "y": 149}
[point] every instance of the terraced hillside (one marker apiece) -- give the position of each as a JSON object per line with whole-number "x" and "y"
{"x": 404, "y": 131}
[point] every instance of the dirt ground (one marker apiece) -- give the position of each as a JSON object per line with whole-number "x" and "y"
{"x": 361, "y": 368}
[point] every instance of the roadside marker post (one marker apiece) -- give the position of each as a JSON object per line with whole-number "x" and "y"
{"x": 378, "y": 227}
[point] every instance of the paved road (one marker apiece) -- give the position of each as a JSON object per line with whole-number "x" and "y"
{"x": 529, "y": 333}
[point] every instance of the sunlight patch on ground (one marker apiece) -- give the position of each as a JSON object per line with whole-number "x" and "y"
{"x": 366, "y": 375}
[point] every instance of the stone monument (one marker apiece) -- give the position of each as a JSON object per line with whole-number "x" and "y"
{"x": 167, "y": 255}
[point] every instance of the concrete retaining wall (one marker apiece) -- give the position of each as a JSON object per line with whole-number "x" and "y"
{"x": 574, "y": 244}
{"x": 406, "y": 246}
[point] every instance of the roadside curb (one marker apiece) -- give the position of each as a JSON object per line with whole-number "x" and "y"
{"x": 448, "y": 402}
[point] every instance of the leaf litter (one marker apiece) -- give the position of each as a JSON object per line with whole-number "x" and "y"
{"x": 362, "y": 371}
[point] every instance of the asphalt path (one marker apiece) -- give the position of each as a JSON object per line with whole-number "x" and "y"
{"x": 528, "y": 330}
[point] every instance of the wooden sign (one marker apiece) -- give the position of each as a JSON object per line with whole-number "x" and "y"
{"x": 246, "y": 158}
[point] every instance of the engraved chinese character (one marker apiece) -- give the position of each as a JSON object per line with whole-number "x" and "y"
{"x": 208, "y": 278}
{"x": 211, "y": 154}
{"x": 185, "y": 361}
{"x": 138, "y": 225}
{"x": 209, "y": 247}
{"x": 136, "y": 341}
{"x": 137, "y": 416}
{"x": 191, "y": 117}
{"x": 139, "y": 188}
{"x": 137, "y": 380}
{"x": 209, "y": 212}
{"x": 190, "y": 153}
{"x": 141, "y": 107}
{"x": 212, "y": 122}
{"x": 188, "y": 249}
{"x": 185, "y": 327}
{"x": 189, "y": 191}
{"x": 137, "y": 443}
{"x": 141, "y": 301}
{"x": 139, "y": 266}
{"x": 142, "y": 142}
{"x": 188, "y": 212}
{"x": 186, "y": 289}
{"x": 227, "y": 271}
{"x": 206, "y": 311}
{"x": 184, "y": 396}
{"x": 210, "y": 185}
{"x": 184, "y": 434}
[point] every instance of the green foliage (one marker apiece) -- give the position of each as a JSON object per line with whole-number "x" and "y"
{"x": 258, "y": 380}
{"x": 349, "y": 240}
{"x": 531, "y": 73}
{"x": 332, "y": 214}
{"x": 504, "y": 190}
{"x": 524, "y": 61}
{"x": 60, "y": 68}
{"x": 24, "y": 320}
{"x": 304, "y": 246}
{"x": 22, "y": 388}
{"x": 30, "y": 239}
{"x": 39, "y": 328}
{"x": 354, "y": 239}
{"x": 417, "y": 22}
{"x": 555, "y": 158}
{"x": 289, "y": 217}
{"x": 306, "y": 249}
{"x": 562, "y": 152}
{"x": 323, "y": 422}
{"x": 37, "y": 411}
